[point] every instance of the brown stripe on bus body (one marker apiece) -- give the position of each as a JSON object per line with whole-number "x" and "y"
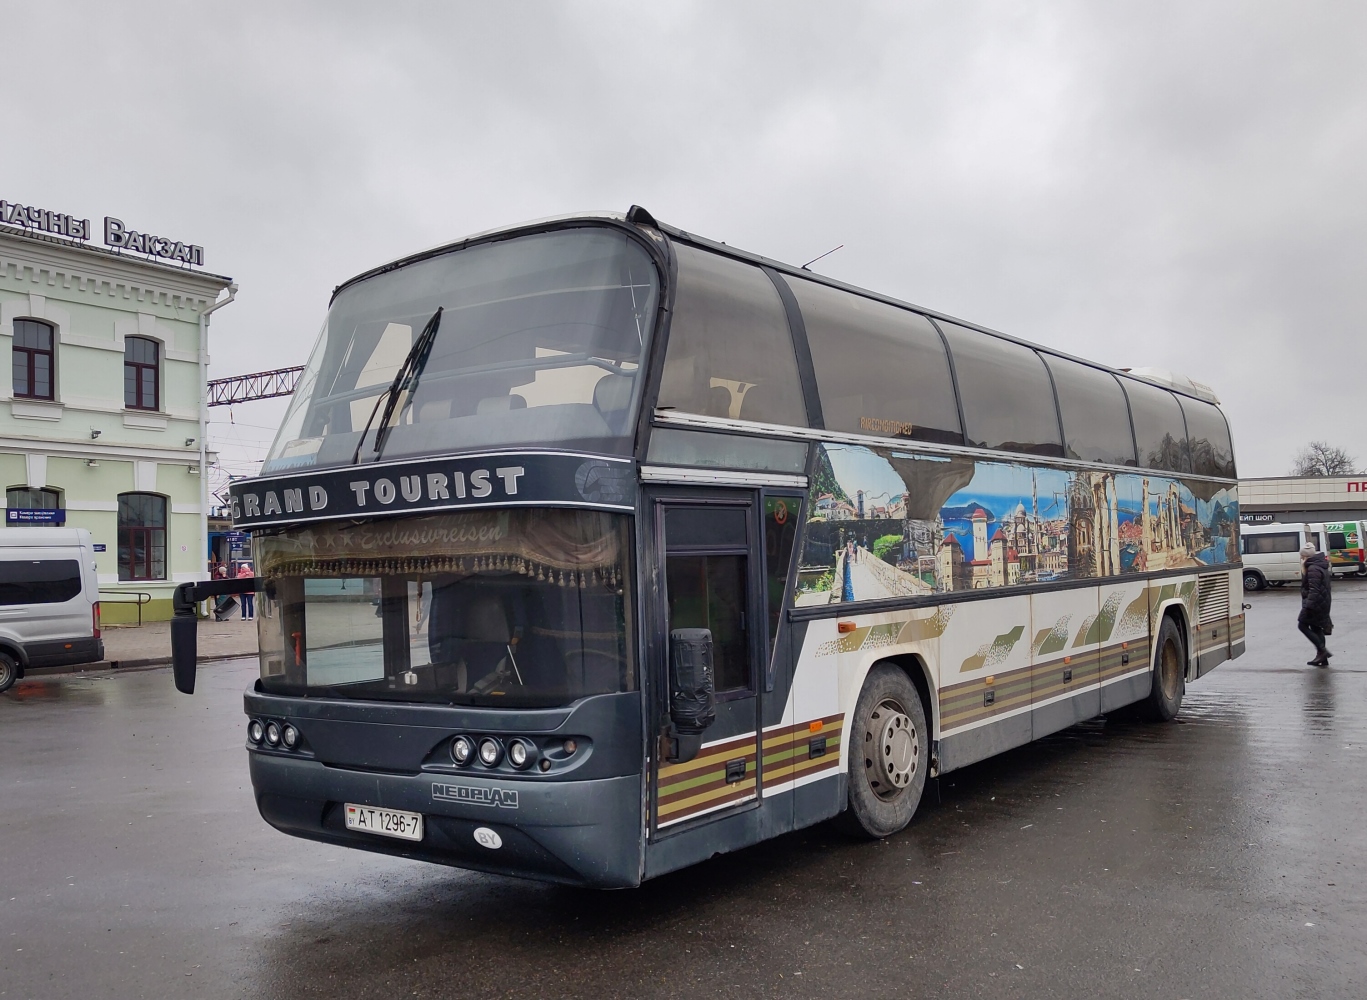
{"x": 711, "y": 772}
{"x": 722, "y": 752}
{"x": 704, "y": 801}
{"x": 784, "y": 745}
{"x": 710, "y": 783}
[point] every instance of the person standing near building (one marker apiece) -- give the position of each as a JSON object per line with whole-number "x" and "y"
{"x": 244, "y": 572}
{"x": 1314, "y": 621}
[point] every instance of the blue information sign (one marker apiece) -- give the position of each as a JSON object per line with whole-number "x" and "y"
{"x": 24, "y": 515}
{"x": 99, "y": 546}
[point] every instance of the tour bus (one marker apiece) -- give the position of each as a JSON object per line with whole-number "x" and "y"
{"x": 589, "y": 549}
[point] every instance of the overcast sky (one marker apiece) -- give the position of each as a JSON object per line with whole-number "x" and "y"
{"x": 1169, "y": 184}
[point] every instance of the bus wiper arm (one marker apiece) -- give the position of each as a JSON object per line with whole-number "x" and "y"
{"x": 406, "y": 378}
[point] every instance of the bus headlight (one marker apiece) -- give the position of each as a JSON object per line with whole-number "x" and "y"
{"x": 490, "y": 751}
{"x": 289, "y": 736}
{"x": 273, "y": 733}
{"x": 520, "y": 753}
{"x": 254, "y": 731}
{"x": 462, "y": 750}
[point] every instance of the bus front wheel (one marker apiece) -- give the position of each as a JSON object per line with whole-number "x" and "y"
{"x": 889, "y": 750}
{"x": 9, "y": 671}
{"x": 1169, "y": 674}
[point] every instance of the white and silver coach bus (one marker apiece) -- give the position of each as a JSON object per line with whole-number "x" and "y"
{"x": 591, "y": 548}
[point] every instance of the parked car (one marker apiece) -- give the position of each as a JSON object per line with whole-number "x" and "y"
{"x": 49, "y": 600}
{"x": 1271, "y": 552}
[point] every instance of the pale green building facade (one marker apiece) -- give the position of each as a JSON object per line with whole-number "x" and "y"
{"x": 102, "y": 409}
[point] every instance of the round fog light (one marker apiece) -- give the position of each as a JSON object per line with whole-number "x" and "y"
{"x": 273, "y": 733}
{"x": 462, "y": 749}
{"x": 490, "y": 752}
{"x": 254, "y": 731}
{"x": 519, "y": 753}
{"x": 290, "y": 736}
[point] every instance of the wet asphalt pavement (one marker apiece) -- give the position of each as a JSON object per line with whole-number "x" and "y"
{"x": 1219, "y": 856}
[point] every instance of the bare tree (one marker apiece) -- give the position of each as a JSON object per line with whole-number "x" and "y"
{"x": 1320, "y": 459}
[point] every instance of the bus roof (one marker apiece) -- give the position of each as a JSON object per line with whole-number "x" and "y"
{"x": 637, "y": 216}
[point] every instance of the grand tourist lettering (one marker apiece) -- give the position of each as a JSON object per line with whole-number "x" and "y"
{"x": 411, "y": 487}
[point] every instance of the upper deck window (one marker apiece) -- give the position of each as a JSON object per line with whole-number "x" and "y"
{"x": 1159, "y": 429}
{"x": 539, "y": 345}
{"x": 1007, "y": 396}
{"x": 1212, "y": 452}
{"x": 730, "y": 352}
{"x": 1096, "y": 421}
{"x": 880, "y": 369}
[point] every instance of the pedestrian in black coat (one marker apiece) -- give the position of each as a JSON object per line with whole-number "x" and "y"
{"x": 1314, "y": 621}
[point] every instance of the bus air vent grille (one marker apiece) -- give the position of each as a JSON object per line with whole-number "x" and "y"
{"x": 1212, "y": 598}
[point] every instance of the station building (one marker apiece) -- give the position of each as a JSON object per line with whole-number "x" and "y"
{"x": 102, "y": 410}
{"x": 1288, "y": 499}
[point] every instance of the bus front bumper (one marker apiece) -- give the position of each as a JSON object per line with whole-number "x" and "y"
{"x": 575, "y": 832}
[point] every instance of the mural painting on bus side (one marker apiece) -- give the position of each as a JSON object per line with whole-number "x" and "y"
{"x": 885, "y": 523}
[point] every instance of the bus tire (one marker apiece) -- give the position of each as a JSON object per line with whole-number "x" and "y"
{"x": 1169, "y": 674}
{"x": 889, "y": 754}
{"x": 1253, "y": 580}
{"x": 9, "y": 671}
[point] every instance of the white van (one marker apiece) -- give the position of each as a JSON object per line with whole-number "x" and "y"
{"x": 1271, "y": 552}
{"x": 49, "y": 600}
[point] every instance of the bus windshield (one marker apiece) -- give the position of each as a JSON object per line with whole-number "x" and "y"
{"x": 539, "y": 343}
{"x": 521, "y": 607}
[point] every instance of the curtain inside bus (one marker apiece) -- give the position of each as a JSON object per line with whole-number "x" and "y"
{"x": 494, "y": 607}
{"x": 539, "y": 343}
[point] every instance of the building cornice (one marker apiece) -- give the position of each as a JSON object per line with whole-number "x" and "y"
{"x": 51, "y": 262}
{"x": 13, "y": 444}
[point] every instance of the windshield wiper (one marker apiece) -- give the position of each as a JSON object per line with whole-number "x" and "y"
{"x": 406, "y": 379}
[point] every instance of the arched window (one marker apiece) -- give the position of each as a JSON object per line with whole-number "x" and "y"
{"x": 141, "y": 378}
{"x": 32, "y": 356}
{"x": 142, "y": 536}
{"x": 21, "y": 498}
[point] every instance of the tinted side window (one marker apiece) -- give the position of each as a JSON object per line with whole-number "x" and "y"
{"x": 880, "y": 370}
{"x": 1008, "y": 399}
{"x": 1212, "y": 453}
{"x": 1159, "y": 429}
{"x": 730, "y": 353}
{"x": 1096, "y": 421}
{"x": 39, "y": 581}
{"x": 1281, "y": 541}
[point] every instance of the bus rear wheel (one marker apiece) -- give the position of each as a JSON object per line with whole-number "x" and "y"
{"x": 1169, "y": 674}
{"x": 1253, "y": 580}
{"x": 889, "y": 751}
{"x": 9, "y": 671}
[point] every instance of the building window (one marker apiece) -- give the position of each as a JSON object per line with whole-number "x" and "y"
{"x": 140, "y": 374}
{"x": 32, "y": 359}
{"x": 142, "y": 536}
{"x": 20, "y": 498}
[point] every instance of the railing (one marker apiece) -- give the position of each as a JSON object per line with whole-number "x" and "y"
{"x": 137, "y": 597}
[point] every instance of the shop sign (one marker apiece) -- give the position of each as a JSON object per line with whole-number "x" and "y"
{"x": 25, "y": 515}
{"x": 45, "y": 220}
{"x": 1257, "y": 518}
{"x": 116, "y": 233}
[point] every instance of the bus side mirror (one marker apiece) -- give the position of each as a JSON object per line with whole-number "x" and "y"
{"x": 184, "y": 638}
{"x": 692, "y": 690}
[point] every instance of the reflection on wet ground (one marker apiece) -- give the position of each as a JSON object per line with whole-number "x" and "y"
{"x": 1218, "y": 856}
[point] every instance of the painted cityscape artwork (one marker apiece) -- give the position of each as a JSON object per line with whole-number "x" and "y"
{"x": 886, "y": 523}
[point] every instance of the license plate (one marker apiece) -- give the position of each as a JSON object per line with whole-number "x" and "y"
{"x": 384, "y": 822}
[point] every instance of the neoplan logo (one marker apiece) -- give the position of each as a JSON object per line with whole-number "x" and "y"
{"x": 475, "y": 795}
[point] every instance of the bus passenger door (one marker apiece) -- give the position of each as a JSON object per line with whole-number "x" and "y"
{"x": 708, "y": 576}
